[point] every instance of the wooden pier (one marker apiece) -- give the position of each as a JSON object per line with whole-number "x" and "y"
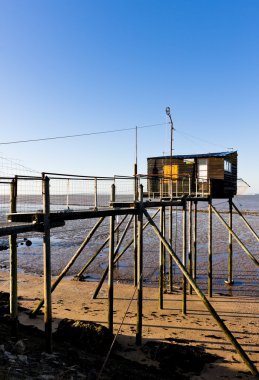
{"x": 63, "y": 197}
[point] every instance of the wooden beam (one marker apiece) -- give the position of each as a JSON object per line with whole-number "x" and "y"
{"x": 205, "y": 301}
{"x": 140, "y": 272}
{"x": 47, "y": 266}
{"x": 110, "y": 270}
{"x": 13, "y": 263}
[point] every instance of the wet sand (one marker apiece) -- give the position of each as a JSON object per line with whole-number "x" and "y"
{"x": 73, "y": 299}
{"x": 238, "y": 305}
{"x": 66, "y": 240}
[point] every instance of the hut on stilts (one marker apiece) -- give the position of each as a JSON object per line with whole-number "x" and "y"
{"x": 180, "y": 182}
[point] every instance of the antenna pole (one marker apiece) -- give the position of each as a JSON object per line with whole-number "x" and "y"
{"x": 136, "y": 146}
{"x": 168, "y": 113}
{"x": 136, "y": 164}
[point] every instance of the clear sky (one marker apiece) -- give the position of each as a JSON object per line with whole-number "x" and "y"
{"x": 72, "y": 67}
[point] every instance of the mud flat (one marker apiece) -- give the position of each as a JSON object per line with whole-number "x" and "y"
{"x": 73, "y": 300}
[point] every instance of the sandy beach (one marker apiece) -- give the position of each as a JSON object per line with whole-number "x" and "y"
{"x": 73, "y": 299}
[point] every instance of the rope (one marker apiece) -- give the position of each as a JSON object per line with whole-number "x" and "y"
{"x": 79, "y": 135}
{"x": 119, "y": 329}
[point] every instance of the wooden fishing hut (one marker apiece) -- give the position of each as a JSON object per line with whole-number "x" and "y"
{"x": 89, "y": 202}
{"x": 209, "y": 174}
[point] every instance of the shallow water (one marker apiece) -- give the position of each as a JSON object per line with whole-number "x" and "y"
{"x": 66, "y": 240}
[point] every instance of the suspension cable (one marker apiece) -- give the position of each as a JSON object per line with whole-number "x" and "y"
{"x": 118, "y": 331}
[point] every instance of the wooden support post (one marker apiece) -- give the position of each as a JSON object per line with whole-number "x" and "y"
{"x": 244, "y": 220}
{"x": 135, "y": 230}
{"x": 205, "y": 301}
{"x": 170, "y": 236}
{"x": 230, "y": 246}
{"x": 118, "y": 245}
{"x": 95, "y": 194}
{"x": 236, "y": 237}
{"x": 135, "y": 249}
{"x": 131, "y": 242}
{"x": 117, "y": 230}
{"x": 184, "y": 258}
{"x": 116, "y": 259}
{"x": 80, "y": 273}
{"x": 68, "y": 189}
{"x": 190, "y": 263}
{"x": 171, "y": 188}
{"x": 210, "y": 277}
{"x": 135, "y": 182}
{"x": 140, "y": 270}
{"x": 13, "y": 262}
{"x": 69, "y": 265}
{"x": 161, "y": 260}
{"x": 47, "y": 265}
{"x": 195, "y": 241}
{"x": 110, "y": 271}
{"x": 164, "y": 251}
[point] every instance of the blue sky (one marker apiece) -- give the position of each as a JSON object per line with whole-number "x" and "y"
{"x": 72, "y": 67}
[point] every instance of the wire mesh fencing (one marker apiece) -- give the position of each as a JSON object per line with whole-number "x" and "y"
{"x": 5, "y": 188}
{"x": 78, "y": 193}
{"x": 66, "y": 192}
{"x": 28, "y": 194}
{"x": 124, "y": 189}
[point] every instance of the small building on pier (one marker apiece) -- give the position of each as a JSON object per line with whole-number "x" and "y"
{"x": 210, "y": 174}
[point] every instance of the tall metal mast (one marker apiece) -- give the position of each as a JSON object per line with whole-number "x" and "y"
{"x": 168, "y": 113}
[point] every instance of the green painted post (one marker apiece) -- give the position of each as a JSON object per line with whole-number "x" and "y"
{"x": 184, "y": 299}
{"x": 110, "y": 270}
{"x": 47, "y": 265}
{"x": 13, "y": 262}
{"x": 190, "y": 263}
{"x": 164, "y": 252}
{"x": 135, "y": 228}
{"x": 135, "y": 249}
{"x": 161, "y": 261}
{"x": 210, "y": 277}
{"x": 195, "y": 241}
{"x": 170, "y": 236}
{"x": 230, "y": 246}
{"x": 140, "y": 270}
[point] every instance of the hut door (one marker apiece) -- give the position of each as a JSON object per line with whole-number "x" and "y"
{"x": 202, "y": 170}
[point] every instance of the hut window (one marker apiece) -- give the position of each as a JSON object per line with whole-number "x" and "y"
{"x": 170, "y": 172}
{"x": 227, "y": 166}
{"x": 203, "y": 169}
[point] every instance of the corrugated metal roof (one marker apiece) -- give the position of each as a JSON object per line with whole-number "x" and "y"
{"x": 202, "y": 155}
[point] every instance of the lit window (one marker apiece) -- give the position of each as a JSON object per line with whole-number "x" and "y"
{"x": 227, "y": 166}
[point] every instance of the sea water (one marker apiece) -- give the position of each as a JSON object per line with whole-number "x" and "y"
{"x": 66, "y": 240}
